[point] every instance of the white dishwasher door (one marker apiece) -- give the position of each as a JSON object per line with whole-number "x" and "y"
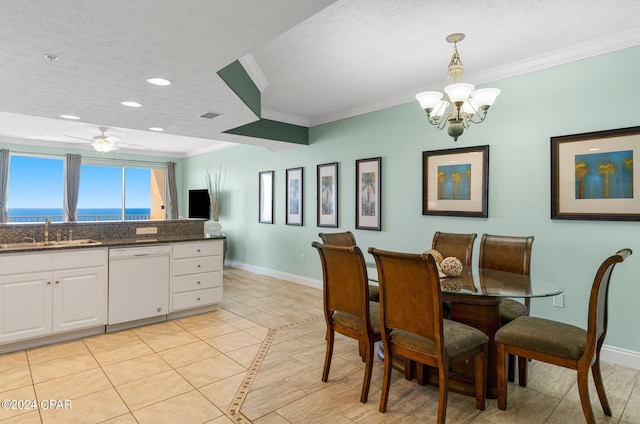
{"x": 138, "y": 283}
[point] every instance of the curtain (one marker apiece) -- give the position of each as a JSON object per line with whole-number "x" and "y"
{"x": 4, "y": 185}
{"x": 72, "y": 183}
{"x": 173, "y": 191}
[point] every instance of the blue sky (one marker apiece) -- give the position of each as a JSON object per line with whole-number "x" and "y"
{"x": 38, "y": 183}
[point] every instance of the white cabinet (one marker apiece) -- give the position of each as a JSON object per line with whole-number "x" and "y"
{"x": 25, "y": 303}
{"x": 79, "y": 289}
{"x": 44, "y": 293}
{"x": 196, "y": 274}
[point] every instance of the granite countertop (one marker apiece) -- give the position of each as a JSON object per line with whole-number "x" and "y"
{"x": 113, "y": 242}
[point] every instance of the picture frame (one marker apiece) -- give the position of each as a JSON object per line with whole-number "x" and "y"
{"x": 265, "y": 197}
{"x": 368, "y": 194}
{"x": 455, "y": 182}
{"x": 592, "y": 175}
{"x": 327, "y": 195}
{"x": 294, "y": 196}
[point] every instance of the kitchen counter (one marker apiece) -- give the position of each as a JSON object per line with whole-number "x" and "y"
{"x": 113, "y": 242}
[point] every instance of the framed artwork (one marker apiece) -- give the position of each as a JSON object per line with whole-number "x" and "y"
{"x": 294, "y": 196}
{"x": 368, "y": 194}
{"x": 265, "y": 197}
{"x": 455, "y": 182}
{"x": 592, "y": 175}
{"x": 328, "y": 195}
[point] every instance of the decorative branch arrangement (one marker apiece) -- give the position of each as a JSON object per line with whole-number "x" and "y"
{"x": 215, "y": 183}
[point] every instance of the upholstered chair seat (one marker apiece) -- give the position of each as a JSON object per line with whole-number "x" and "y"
{"x": 511, "y": 309}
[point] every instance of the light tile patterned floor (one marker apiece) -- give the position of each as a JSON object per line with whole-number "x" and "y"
{"x": 259, "y": 359}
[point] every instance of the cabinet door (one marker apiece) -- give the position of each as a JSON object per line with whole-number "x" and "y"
{"x": 79, "y": 298}
{"x": 25, "y": 306}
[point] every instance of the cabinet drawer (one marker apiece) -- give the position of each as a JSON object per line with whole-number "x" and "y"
{"x": 197, "y": 265}
{"x": 80, "y": 258}
{"x": 197, "y": 249}
{"x": 21, "y": 263}
{"x": 197, "y": 281}
{"x": 194, "y": 299}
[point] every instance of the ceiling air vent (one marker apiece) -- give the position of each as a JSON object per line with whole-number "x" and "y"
{"x": 209, "y": 115}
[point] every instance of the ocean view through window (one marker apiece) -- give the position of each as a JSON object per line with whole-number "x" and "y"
{"x": 113, "y": 192}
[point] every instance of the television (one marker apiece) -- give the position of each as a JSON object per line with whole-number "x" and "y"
{"x": 199, "y": 203}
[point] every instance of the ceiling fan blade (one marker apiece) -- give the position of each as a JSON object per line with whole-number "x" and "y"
{"x": 111, "y": 138}
{"x": 79, "y": 138}
{"x": 130, "y": 146}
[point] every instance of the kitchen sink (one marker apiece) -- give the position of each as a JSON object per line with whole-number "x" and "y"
{"x": 50, "y": 244}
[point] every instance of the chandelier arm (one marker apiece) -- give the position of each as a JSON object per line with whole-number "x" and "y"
{"x": 441, "y": 122}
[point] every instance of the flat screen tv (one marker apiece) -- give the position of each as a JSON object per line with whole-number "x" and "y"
{"x": 199, "y": 204}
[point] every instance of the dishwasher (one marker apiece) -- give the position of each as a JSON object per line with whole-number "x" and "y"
{"x": 138, "y": 283}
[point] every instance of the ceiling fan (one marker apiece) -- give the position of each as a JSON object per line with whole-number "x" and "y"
{"x": 106, "y": 143}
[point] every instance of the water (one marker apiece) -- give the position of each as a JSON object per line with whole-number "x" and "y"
{"x": 83, "y": 214}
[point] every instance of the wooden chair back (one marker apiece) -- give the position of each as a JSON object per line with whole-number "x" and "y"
{"x": 338, "y": 239}
{"x": 454, "y": 244}
{"x": 506, "y": 253}
{"x": 599, "y": 304}
{"x": 410, "y": 295}
{"x": 344, "y": 281}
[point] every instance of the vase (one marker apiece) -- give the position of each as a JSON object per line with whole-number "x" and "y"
{"x": 212, "y": 228}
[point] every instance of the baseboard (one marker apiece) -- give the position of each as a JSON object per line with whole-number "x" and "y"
{"x": 309, "y": 282}
{"x": 624, "y": 357}
{"x": 615, "y": 355}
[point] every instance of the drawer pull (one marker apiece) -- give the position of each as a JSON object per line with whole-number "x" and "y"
{"x": 57, "y": 282}
{"x": 198, "y": 250}
{"x": 198, "y": 266}
{"x": 198, "y": 282}
{"x": 198, "y": 299}
{"x": 48, "y": 282}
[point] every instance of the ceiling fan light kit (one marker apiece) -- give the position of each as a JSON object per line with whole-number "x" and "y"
{"x": 468, "y": 106}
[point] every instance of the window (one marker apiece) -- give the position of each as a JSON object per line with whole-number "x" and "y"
{"x": 114, "y": 193}
{"x": 108, "y": 191}
{"x": 35, "y": 188}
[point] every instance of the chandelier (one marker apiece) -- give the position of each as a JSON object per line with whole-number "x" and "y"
{"x": 468, "y": 106}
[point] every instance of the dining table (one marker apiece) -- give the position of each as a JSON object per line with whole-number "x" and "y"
{"x": 474, "y": 298}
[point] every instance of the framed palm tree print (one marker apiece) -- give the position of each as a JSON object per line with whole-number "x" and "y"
{"x": 328, "y": 195}
{"x": 368, "y": 174}
{"x": 294, "y": 196}
{"x": 592, "y": 175}
{"x": 455, "y": 182}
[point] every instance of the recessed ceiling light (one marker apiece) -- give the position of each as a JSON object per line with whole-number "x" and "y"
{"x": 156, "y": 129}
{"x": 594, "y": 149}
{"x": 70, "y": 117}
{"x": 131, "y": 104}
{"x": 158, "y": 81}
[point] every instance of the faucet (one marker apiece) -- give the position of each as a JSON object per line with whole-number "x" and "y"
{"x": 47, "y": 221}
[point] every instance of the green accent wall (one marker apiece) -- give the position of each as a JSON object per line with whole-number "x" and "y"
{"x": 577, "y": 97}
{"x": 273, "y": 130}
{"x": 240, "y": 82}
{"x": 235, "y": 76}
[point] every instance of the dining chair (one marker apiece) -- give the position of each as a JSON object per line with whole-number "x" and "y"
{"x": 509, "y": 254}
{"x": 455, "y": 244}
{"x": 562, "y": 344}
{"x": 413, "y": 326}
{"x": 347, "y": 308}
{"x": 348, "y": 239}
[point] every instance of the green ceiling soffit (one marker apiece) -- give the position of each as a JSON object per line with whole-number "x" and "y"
{"x": 235, "y": 76}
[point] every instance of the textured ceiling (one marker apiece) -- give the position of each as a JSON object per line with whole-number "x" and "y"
{"x": 316, "y": 61}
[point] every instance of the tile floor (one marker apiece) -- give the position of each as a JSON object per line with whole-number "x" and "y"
{"x": 259, "y": 359}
